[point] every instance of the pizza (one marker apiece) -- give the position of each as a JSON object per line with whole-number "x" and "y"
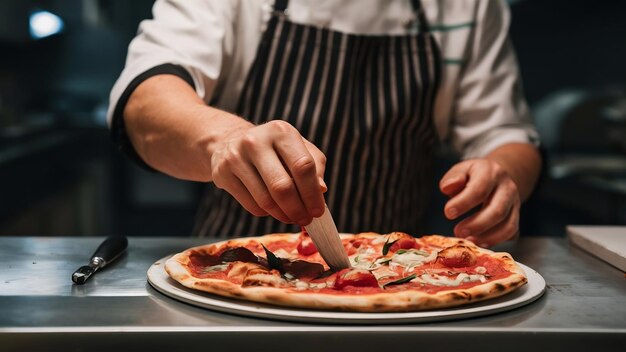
{"x": 394, "y": 272}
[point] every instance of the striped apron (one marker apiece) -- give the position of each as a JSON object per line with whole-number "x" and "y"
{"x": 366, "y": 101}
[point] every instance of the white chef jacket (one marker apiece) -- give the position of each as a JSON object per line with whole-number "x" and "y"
{"x": 479, "y": 106}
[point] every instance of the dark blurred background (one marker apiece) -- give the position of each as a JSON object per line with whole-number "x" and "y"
{"x": 60, "y": 175}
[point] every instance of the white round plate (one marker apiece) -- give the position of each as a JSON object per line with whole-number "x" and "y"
{"x": 160, "y": 280}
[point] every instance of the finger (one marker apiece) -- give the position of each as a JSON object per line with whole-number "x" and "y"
{"x": 320, "y": 162}
{"x": 303, "y": 168}
{"x": 243, "y": 196}
{"x": 253, "y": 182}
{"x": 323, "y": 185}
{"x": 454, "y": 180}
{"x": 478, "y": 189}
{"x": 495, "y": 210}
{"x": 504, "y": 231}
{"x": 282, "y": 187}
{"x": 231, "y": 184}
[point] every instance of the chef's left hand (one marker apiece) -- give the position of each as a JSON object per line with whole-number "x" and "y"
{"x": 484, "y": 183}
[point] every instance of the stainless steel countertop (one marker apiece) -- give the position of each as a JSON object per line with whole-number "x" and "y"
{"x": 40, "y": 308}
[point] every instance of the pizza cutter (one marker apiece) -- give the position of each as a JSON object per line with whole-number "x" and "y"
{"x": 324, "y": 234}
{"x": 108, "y": 251}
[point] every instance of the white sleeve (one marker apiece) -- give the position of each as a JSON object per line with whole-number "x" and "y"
{"x": 195, "y": 35}
{"x": 490, "y": 109}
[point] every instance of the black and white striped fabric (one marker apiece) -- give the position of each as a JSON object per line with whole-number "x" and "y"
{"x": 365, "y": 101}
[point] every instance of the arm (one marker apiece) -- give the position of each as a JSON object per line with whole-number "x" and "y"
{"x": 175, "y": 146}
{"x": 270, "y": 169}
{"x": 498, "y": 183}
{"x": 493, "y": 131}
{"x": 159, "y": 118}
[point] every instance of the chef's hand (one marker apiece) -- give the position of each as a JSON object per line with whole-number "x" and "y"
{"x": 271, "y": 169}
{"x": 484, "y": 183}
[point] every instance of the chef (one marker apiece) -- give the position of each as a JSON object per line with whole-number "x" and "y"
{"x": 285, "y": 105}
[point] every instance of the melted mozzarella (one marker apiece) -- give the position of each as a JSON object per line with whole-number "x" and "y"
{"x": 214, "y": 268}
{"x": 301, "y": 285}
{"x": 263, "y": 279}
{"x": 361, "y": 262}
{"x": 364, "y": 259}
{"x": 317, "y": 285}
{"x": 366, "y": 265}
{"x": 240, "y": 269}
{"x": 412, "y": 258}
{"x": 379, "y": 240}
{"x": 438, "y": 280}
{"x": 368, "y": 251}
{"x": 384, "y": 272}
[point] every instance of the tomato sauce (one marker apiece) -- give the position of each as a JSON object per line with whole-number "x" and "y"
{"x": 286, "y": 245}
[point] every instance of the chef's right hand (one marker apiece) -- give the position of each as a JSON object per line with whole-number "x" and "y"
{"x": 271, "y": 169}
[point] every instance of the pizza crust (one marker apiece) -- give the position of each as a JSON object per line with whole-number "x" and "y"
{"x": 402, "y": 301}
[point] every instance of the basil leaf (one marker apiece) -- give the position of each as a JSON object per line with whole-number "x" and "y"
{"x": 273, "y": 261}
{"x": 401, "y": 251}
{"x": 239, "y": 254}
{"x": 387, "y": 245}
{"x": 401, "y": 281}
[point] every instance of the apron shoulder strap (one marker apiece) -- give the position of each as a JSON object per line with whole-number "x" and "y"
{"x": 421, "y": 18}
{"x": 281, "y": 5}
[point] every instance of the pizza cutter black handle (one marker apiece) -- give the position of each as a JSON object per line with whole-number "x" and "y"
{"x": 110, "y": 249}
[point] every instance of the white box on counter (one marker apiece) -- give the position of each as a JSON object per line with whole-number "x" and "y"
{"x": 606, "y": 242}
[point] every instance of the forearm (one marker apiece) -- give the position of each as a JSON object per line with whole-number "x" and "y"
{"x": 173, "y": 130}
{"x": 523, "y": 164}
